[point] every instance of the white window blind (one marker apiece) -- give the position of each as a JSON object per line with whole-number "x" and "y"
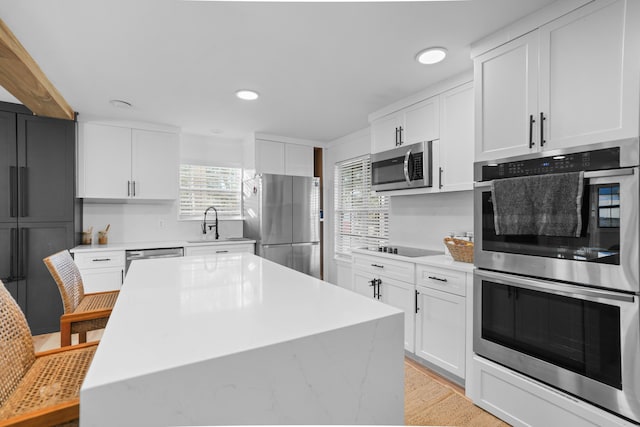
{"x": 362, "y": 217}
{"x": 204, "y": 186}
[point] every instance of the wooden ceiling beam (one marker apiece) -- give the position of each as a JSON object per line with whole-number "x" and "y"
{"x": 23, "y": 78}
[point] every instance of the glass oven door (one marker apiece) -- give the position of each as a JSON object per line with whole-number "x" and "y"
{"x": 603, "y": 254}
{"x": 581, "y": 340}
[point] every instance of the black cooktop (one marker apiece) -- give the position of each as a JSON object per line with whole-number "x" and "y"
{"x": 404, "y": 251}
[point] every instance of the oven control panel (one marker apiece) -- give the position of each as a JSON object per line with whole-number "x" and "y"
{"x": 586, "y": 161}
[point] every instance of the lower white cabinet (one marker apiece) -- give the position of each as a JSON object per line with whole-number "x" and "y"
{"x": 440, "y": 329}
{"x": 390, "y": 291}
{"x": 219, "y": 249}
{"x": 101, "y": 270}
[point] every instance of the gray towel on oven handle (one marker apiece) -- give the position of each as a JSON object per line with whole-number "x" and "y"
{"x": 541, "y": 205}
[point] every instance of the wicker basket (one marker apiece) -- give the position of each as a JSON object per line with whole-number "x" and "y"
{"x": 461, "y": 250}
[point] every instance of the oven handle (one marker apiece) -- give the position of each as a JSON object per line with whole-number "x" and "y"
{"x": 587, "y": 175}
{"x": 406, "y": 167}
{"x": 573, "y": 291}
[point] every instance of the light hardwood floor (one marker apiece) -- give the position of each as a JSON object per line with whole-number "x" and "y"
{"x": 429, "y": 398}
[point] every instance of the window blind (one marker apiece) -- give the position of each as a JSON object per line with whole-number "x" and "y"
{"x": 204, "y": 186}
{"x": 361, "y": 216}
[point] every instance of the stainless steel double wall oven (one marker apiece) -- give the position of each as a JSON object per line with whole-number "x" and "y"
{"x": 564, "y": 309}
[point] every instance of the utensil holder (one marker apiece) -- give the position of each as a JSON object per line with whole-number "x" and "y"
{"x": 102, "y": 238}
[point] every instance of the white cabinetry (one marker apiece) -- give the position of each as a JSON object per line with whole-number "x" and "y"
{"x": 282, "y": 158}
{"x": 101, "y": 270}
{"x": 413, "y": 124}
{"x": 124, "y": 163}
{"x": 440, "y": 318}
{"x": 391, "y": 282}
{"x": 448, "y": 120}
{"x": 219, "y": 249}
{"x": 455, "y": 169}
{"x": 571, "y": 82}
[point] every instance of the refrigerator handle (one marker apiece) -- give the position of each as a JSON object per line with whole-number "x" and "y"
{"x": 12, "y": 257}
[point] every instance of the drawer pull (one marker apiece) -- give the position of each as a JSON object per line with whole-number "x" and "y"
{"x": 101, "y": 259}
{"x": 437, "y": 278}
{"x": 222, "y": 252}
{"x": 377, "y": 265}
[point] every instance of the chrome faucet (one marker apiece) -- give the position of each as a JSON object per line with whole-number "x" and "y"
{"x": 204, "y": 222}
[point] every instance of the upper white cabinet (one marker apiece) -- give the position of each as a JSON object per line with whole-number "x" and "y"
{"x": 124, "y": 163}
{"x": 455, "y": 169}
{"x": 412, "y": 124}
{"x": 447, "y": 119}
{"x": 573, "y": 81}
{"x": 279, "y": 157}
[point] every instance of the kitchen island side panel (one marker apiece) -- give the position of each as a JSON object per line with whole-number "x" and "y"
{"x": 352, "y": 375}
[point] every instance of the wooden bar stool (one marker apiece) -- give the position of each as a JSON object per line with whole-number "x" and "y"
{"x": 82, "y": 312}
{"x": 37, "y": 389}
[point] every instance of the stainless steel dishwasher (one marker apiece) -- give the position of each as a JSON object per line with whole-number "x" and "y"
{"x": 133, "y": 255}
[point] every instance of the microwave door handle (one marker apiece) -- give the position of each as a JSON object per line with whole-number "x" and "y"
{"x": 406, "y": 167}
{"x": 608, "y": 172}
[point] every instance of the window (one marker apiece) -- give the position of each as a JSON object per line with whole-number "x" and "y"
{"x": 204, "y": 186}
{"x": 362, "y": 217}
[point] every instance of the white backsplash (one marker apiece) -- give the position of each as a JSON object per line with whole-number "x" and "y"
{"x": 423, "y": 220}
{"x": 148, "y": 222}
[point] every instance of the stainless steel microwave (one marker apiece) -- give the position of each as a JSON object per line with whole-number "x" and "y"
{"x": 408, "y": 166}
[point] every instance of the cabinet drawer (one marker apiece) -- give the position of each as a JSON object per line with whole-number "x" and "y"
{"x": 99, "y": 259}
{"x": 218, "y": 249}
{"x": 442, "y": 279}
{"x": 399, "y": 270}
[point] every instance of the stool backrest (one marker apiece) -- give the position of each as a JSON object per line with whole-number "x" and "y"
{"x": 67, "y": 276}
{"x": 16, "y": 345}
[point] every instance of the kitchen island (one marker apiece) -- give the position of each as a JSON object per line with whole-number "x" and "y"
{"x": 235, "y": 339}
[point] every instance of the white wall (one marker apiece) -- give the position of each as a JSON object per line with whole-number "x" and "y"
{"x": 423, "y": 220}
{"x": 158, "y": 221}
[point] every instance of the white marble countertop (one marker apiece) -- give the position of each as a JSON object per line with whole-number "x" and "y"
{"x": 432, "y": 260}
{"x": 160, "y": 244}
{"x": 179, "y": 311}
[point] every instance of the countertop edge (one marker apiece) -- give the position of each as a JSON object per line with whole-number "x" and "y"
{"x": 443, "y": 261}
{"x": 123, "y": 246}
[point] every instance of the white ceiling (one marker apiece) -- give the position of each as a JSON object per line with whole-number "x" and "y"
{"x": 320, "y": 68}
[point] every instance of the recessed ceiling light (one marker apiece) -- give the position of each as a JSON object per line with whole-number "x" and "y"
{"x": 118, "y": 103}
{"x": 248, "y": 95}
{"x": 432, "y": 55}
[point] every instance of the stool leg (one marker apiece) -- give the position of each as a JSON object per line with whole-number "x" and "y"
{"x": 65, "y": 333}
{"x": 82, "y": 337}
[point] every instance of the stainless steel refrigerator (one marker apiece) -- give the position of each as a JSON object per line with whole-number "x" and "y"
{"x": 282, "y": 213}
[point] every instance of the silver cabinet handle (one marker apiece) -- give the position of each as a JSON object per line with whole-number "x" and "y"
{"x": 438, "y": 279}
{"x": 377, "y": 265}
{"x": 101, "y": 259}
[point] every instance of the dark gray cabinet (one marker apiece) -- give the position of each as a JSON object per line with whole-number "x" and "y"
{"x": 39, "y": 214}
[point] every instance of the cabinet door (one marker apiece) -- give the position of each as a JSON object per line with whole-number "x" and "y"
{"x": 270, "y": 157}
{"x": 363, "y": 282}
{"x": 9, "y": 263}
{"x": 102, "y": 279}
{"x": 401, "y": 296}
{"x": 8, "y": 168}
{"x": 589, "y": 76}
{"x": 440, "y": 330}
{"x": 154, "y": 164}
{"x": 298, "y": 160}
{"x": 456, "y": 139}
{"x": 105, "y": 161}
{"x": 384, "y": 132}
{"x": 38, "y": 241}
{"x": 506, "y": 87}
{"x": 46, "y": 169}
{"x": 421, "y": 122}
